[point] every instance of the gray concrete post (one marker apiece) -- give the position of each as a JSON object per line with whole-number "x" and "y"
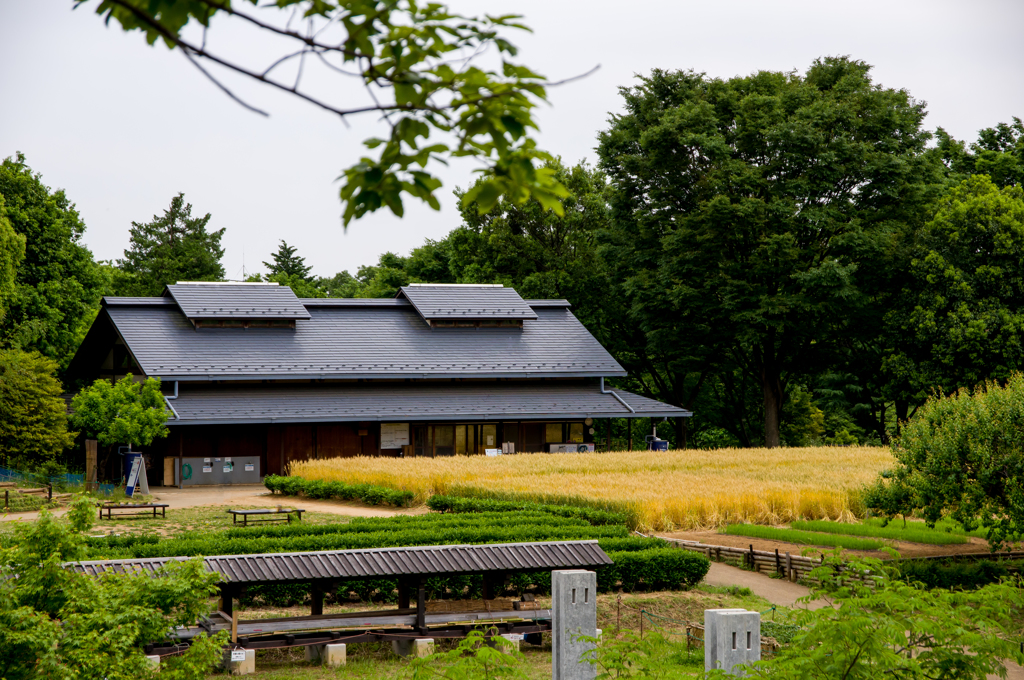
{"x": 731, "y": 637}
{"x": 574, "y": 605}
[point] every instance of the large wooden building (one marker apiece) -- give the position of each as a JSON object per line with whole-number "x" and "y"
{"x": 250, "y": 370}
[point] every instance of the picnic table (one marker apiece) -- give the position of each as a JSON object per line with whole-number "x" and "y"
{"x": 287, "y": 512}
{"x": 144, "y": 507}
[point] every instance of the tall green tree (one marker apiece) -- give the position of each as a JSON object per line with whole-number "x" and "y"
{"x": 998, "y": 153}
{"x": 961, "y": 318}
{"x": 57, "y": 283}
{"x": 171, "y": 247}
{"x": 743, "y": 209}
{"x": 33, "y": 416}
{"x": 286, "y": 262}
{"x": 12, "y": 252}
{"x": 125, "y": 412}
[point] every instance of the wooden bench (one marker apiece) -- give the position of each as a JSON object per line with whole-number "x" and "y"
{"x": 287, "y": 512}
{"x": 136, "y": 507}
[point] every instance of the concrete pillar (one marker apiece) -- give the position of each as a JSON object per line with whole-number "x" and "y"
{"x": 244, "y": 666}
{"x": 418, "y": 647}
{"x": 574, "y": 601}
{"x": 731, "y": 637}
{"x": 332, "y": 655}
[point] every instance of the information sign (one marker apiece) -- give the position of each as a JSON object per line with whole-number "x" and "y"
{"x": 394, "y": 435}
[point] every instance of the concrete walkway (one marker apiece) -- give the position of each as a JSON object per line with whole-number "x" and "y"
{"x": 776, "y": 590}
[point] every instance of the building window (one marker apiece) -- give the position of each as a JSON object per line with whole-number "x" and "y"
{"x": 444, "y": 440}
{"x": 576, "y": 433}
{"x": 488, "y": 437}
{"x": 553, "y": 433}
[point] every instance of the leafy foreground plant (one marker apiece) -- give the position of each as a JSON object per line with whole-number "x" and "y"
{"x": 59, "y": 625}
{"x": 472, "y": 659}
{"x": 879, "y": 626}
{"x": 627, "y": 655}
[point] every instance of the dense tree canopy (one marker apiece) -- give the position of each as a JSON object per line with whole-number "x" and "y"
{"x": 742, "y": 210}
{"x": 125, "y": 412}
{"x": 57, "y": 283}
{"x": 12, "y": 251}
{"x": 286, "y": 262}
{"x": 171, "y": 247}
{"x": 33, "y": 416}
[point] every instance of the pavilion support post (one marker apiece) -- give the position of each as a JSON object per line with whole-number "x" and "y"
{"x": 316, "y": 594}
{"x": 403, "y": 593}
{"x": 488, "y": 586}
{"x": 421, "y": 607}
{"x": 227, "y": 595}
{"x": 629, "y": 422}
{"x": 608, "y": 446}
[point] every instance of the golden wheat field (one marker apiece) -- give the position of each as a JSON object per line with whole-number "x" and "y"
{"x": 684, "y": 489}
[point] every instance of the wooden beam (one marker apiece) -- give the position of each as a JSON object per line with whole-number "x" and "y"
{"x": 403, "y": 593}
{"x": 316, "y": 594}
{"x": 421, "y": 606}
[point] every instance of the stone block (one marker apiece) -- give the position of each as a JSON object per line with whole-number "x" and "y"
{"x": 154, "y": 660}
{"x": 244, "y": 667}
{"x": 574, "y": 605}
{"x": 731, "y": 637}
{"x": 332, "y": 655}
{"x": 419, "y": 647}
{"x": 511, "y": 644}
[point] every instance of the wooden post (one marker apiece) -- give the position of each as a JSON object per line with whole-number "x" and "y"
{"x": 421, "y": 607}
{"x": 789, "y": 567}
{"x": 91, "y": 446}
{"x": 778, "y": 563}
{"x": 403, "y": 594}
{"x": 629, "y": 447}
{"x": 226, "y": 599}
{"x": 234, "y": 628}
{"x": 608, "y": 446}
{"x": 316, "y": 594}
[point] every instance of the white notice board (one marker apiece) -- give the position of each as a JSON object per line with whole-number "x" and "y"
{"x": 394, "y": 435}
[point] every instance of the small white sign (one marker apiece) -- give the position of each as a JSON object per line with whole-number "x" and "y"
{"x": 249, "y": 467}
{"x": 514, "y": 637}
{"x": 238, "y": 655}
{"x": 206, "y": 460}
{"x": 227, "y": 460}
{"x": 207, "y": 468}
{"x": 227, "y": 468}
{"x": 492, "y": 452}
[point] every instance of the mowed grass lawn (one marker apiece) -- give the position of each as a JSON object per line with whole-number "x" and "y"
{"x": 684, "y": 489}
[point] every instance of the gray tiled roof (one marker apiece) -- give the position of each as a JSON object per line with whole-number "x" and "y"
{"x": 468, "y": 302}
{"x": 347, "y": 342}
{"x": 401, "y": 402}
{"x": 375, "y": 562}
{"x": 237, "y": 301}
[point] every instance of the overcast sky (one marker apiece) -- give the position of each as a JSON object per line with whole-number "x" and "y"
{"x": 122, "y": 126}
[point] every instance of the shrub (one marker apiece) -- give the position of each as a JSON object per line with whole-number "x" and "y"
{"x": 955, "y": 573}
{"x": 458, "y": 504}
{"x": 314, "y": 488}
{"x": 653, "y": 569}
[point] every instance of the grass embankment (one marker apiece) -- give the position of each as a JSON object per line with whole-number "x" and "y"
{"x": 684, "y": 489}
{"x": 915, "y": 532}
{"x": 802, "y": 537}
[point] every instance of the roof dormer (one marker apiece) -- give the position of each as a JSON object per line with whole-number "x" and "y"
{"x": 447, "y": 305}
{"x": 209, "y": 304}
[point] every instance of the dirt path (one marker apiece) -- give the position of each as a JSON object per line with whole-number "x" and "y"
{"x": 247, "y": 495}
{"x": 974, "y": 545}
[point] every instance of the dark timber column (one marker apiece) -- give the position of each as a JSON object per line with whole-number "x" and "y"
{"x": 226, "y": 599}
{"x": 316, "y": 594}
{"x": 421, "y": 607}
{"x": 608, "y": 446}
{"x": 403, "y": 593}
{"x": 489, "y": 586}
{"x": 629, "y": 422}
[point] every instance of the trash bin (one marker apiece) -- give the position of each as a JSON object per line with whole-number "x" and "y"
{"x": 658, "y": 445}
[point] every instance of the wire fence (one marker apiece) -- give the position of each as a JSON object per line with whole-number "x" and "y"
{"x": 65, "y": 481}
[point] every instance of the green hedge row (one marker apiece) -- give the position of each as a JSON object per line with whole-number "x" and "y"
{"x": 313, "y": 488}
{"x": 459, "y": 504}
{"x": 402, "y": 523}
{"x": 218, "y": 545}
{"x": 648, "y": 569}
{"x": 957, "y": 574}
